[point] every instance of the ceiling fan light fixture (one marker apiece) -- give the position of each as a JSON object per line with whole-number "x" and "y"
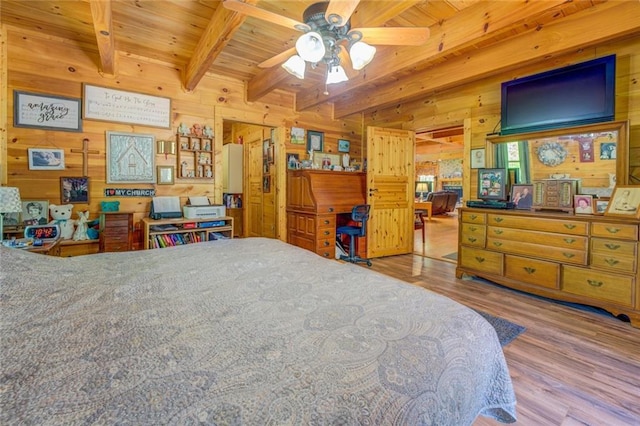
{"x": 336, "y": 74}
{"x": 295, "y": 65}
{"x": 310, "y": 47}
{"x": 361, "y": 54}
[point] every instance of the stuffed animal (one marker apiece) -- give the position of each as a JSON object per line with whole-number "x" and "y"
{"x": 81, "y": 227}
{"x": 62, "y": 217}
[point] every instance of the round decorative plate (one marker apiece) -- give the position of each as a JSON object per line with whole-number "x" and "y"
{"x": 552, "y": 154}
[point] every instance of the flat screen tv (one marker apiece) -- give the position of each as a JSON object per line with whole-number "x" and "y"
{"x": 571, "y": 96}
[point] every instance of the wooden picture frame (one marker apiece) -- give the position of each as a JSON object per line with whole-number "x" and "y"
{"x": 35, "y": 212}
{"x": 600, "y": 206}
{"x": 266, "y": 184}
{"x": 74, "y": 190}
{"x": 46, "y": 159}
{"x": 130, "y": 158}
{"x": 46, "y": 112}
{"x": 297, "y": 136}
{"x": 583, "y": 204}
{"x": 166, "y": 175}
{"x": 315, "y": 141}
{"x": 478, "y": 158}
{"x": 492, "y": 184}
{"x": 119, "y": 106}
{"x": 522, "y": 196}
{"x": 344, "y": 145}
{"x": 624, "y": 202}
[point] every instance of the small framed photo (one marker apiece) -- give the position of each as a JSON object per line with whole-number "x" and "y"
{"x": 344, "y": 145}
{"x": 10, "y": 220}
{"x": 624, "y": 202}
{"x": 46, "y": 159}
{"x": 315, "y": 141}
{"x": 74, "y": 190}
{"x": 35, "y": 212}
{"x": 166, "y": 175}
{"x": 293, "y": 161}
{"x": 477, "y": 158}
{"x": 583, "y": 204}
{"x": 522, "y": 196}
{"x": 600, "y": 205}
{"x": 492, "y": 184}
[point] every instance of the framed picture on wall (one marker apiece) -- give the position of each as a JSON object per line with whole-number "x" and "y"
{"x": 315, "y": 141}
{"x": 343, "y": 145}
{"x": 166, "y": 175}
{"x": 130, "y": 158}
{"x": 477, "y": 158}
{"x": 45, "y": 159}
{"x": 74, "y": 190}
{"x": 297, "y": 135}
{"x": 46, "y": 112}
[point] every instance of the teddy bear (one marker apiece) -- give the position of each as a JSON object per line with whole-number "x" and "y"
{"x": 81, "y": 226}
{"x": 61, "y": 215}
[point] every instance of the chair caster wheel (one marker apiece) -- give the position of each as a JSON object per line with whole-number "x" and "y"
{"x": 369, "y": 263}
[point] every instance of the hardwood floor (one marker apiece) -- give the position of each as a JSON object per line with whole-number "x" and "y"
{"x": 570, "y": 367}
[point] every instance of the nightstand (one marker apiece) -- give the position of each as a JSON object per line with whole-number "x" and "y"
{"x": 116, "y": 231}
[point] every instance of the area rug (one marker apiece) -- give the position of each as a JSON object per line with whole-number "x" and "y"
{"x": 451, "y": 256}
{"x": 507, "y": 331}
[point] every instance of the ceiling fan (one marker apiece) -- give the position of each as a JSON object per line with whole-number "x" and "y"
{"x": 327, "y": 37}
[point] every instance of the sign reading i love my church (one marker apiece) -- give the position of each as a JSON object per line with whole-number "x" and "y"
{"x": 128, "y": 192}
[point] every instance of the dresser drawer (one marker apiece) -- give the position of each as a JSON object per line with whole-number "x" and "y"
{"x": 616, "y": 255}
{"x": 598, "y": 285}
{"x": 473, "y": 235}
{"x": 481, "y": 260}
{"x": 574, "y": 242}
{"x": 539, "y": 224}
{"x": 607, "y": 246}
{"x": 539, "y": 251}
{"x": 615, "y": 230}
{"x": 533, "y": 271}
{"x": 115, "y": 222}
{"x": 473, "y": 217}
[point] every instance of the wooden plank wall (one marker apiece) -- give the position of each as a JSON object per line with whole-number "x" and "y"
{"x": 479, "y": 103}
{"x": 43, "y": 64}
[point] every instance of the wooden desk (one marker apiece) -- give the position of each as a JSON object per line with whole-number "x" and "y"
{"x": 45, "y": 248}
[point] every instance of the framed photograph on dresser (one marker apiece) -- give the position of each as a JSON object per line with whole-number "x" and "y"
{"x": 625, "y": 202}
{"x": 492, "y": 184}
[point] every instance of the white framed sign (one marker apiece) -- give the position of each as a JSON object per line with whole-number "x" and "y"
{"x": 47, "y": 112}
{"x": 104, "y": 104}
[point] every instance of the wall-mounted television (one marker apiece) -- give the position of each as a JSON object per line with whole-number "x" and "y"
{"x": 571, "y": 96}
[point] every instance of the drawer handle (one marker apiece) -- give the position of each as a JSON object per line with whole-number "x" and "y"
{"x": 331, "y": 209}
{"x": 498, "y": 219}
{"x": 497, "y": 243}
{"x": 327, "y": 232}
{"x": 612, "y": 246}
{"x": 498, "y": 231}
{"x": 326, "y": 222}
{"x": 326, "y": 243}
{"x": 472, "y": 228}
{"x": 568, "y": 255}
{"x": 569, "y": 226}
{"x": 569, "y": 240}
{"x": 594, "y": 283}
{"x": 529, "y": 270}
{"x": 613, "y": 230}
{"x": 612, "y": 262}
{"x": 480, "y": 259}
{"x": 325, "y": 254}
{"x": 474, "y": 217}
{"x": 471, "y": 239}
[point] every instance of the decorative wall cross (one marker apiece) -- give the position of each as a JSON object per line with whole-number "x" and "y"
{"x": 85, "y": 156}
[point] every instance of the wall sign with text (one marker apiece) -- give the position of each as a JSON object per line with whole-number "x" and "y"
{"x": 47, "y": 112}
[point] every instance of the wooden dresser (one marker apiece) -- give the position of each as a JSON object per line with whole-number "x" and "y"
{"x": 587, "y": 259}
{"x": 315, "y": 198}
{"x": 116, "y": 231}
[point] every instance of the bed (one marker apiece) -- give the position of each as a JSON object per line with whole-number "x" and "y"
{"x": 243, "y": 332}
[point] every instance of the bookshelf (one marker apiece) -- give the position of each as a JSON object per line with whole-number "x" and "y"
{"x": 163, "y": 233}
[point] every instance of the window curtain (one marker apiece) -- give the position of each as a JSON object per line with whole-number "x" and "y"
{"x": 502, "y": 159}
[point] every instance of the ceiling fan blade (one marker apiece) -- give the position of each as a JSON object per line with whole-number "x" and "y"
{"x": 278, "y": 59}
{"x": 395, "y": 36}
{"x": 339, "y": 11}
{"x": 345, "y": 61}
{"x": 256, "y": 12}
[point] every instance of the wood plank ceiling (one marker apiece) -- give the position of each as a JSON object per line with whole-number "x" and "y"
{"x": 200, "y": 36}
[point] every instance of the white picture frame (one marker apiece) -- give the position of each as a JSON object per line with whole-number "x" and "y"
{"x": 478, "y": 158}
{"x": 46, "y": 112}
{"x": 130, "y": 158}
{"x": 46, "y": 159}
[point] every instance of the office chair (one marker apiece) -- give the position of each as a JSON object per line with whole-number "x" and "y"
{"x": 360, "y": 213}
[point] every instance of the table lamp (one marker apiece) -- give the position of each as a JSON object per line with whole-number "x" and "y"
{"x": 9, "y": 203}
{"x": 422, "y": 188}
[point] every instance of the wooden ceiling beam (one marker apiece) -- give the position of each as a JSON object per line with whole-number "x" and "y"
{"x": 270, "y": 79}
{"x": 470, "y": 26}
{"x": 223, "y": 24}
{"x": 608, "y": 21}
{"x": 103, "y": 28}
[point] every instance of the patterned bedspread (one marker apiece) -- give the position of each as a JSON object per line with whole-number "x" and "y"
{"x": 240, "y": 332}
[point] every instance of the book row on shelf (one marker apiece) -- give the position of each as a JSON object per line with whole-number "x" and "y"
{"x": 176, "y": 239}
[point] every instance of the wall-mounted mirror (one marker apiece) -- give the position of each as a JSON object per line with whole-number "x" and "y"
{"x": 596, "y": 154}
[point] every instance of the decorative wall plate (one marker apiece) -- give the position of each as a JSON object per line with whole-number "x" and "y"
{"x": 552, "y": 154}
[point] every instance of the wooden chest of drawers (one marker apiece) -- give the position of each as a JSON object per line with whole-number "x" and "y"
{"x": 585, "y": 259}
{"x": 116, "y": 231}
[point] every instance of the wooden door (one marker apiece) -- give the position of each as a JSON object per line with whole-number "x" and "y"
{"x": 253, "y": 198}
{"x": 390, "y": 191}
